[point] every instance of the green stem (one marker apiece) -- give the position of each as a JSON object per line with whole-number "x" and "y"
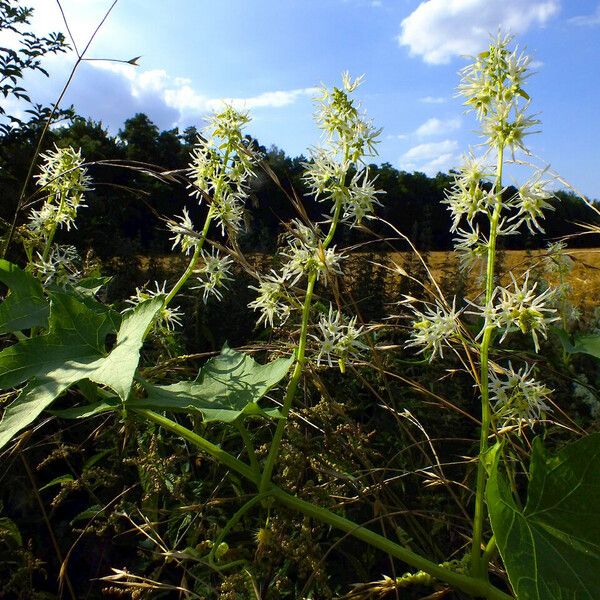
{"x": 245, "y": 435}
{"x": 478, "y": 565}
{"x": 334, "y": 223}
{"x": 491, "y": 550}
{"x": 211, "y": 211}
{"x": 50, "y": 238}
{"x": 299, "y": 365}
{"x": 215, "y": 451}
{"x": 192, "y": 264}
{"x": 233, "y": 522}
{"x": 291, "y": 388}
{"x": 470, "y": 585}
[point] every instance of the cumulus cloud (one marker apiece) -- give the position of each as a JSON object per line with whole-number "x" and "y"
{"x": 433, "y": 100}
{"x": 442, "y": 163}
{"x": 83, "y": 17}
{"x": 587, "y": 20}
{"x": 179, "y": 95}
{"x": 438, "y": 30}
{"x": 430, "y": 157}
{"x": 430, "y": 150}
{"x": 435, "y": 126}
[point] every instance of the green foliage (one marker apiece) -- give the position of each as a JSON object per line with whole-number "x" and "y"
{"x": 73, "y": 349}
{"x": 26, "y": 57}
{"x": 26, "y": 306}
{"x": 550, "y": 548}
{"x": 227, "y": 388}
{"x": 581, "y": 344}
{"x": 312, "y": 469}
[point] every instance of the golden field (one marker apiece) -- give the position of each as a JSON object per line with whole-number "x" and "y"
{"x": 584, "y": 278}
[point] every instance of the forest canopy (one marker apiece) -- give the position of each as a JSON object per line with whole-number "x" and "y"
{"x": 139, "y": 181}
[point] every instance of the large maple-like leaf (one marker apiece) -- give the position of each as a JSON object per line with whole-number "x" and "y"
{"x": 25, "y": 306}
{"x": 72, "y": 350}
{"x": 551, "y": 548}
{"x": 227, "y": 387}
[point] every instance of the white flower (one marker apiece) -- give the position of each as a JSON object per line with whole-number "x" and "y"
{"x": 493, "y": 76}
{"x": 305, "y": 253}
{"x": 348, "y": 133}
{"x": 434, "y": 328}
{"x": 229, "y": 211}
{"x": 338, "y": 340}
{"x": 470, "y": 245}
{"x": 228, "y": 123}
{"x": 463, "y": 199}
{"x": 361, "y": 198}
{"x": 531, "y": 200}
{"x": 557, "y": 260}
{"x": 42, "y": 221}
{"x": 521, "y": 307}
{"x": 272, "y": 299}
{"x": 465, "y": 240}
{"x": 474, "y": 170}
{"x": 62, "y": 267}
{"x": 508, "y": 126}
{"x": 204, "y": 169}
{"x": 64, "y": 180}
{"x": 222, "y": 162}
{"x": 213, "y": 274}
{"x": 169, "y": 317}
{"x": 184, "y": 233}
{"x": 517, "y": 396}
{"x": 323, "y": 174}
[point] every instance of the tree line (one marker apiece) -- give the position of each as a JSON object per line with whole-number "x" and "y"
{"x": 139, "y": 181}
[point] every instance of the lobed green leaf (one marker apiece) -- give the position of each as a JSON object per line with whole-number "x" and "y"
{"x": 227, "y": 388}
{"x": 74, "y": 349}
{"x": 25, "y": 306}
{"x": 551, "y": 548}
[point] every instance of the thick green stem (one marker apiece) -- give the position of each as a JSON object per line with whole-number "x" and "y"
{"x": 475, "y": 587}
{"x": 291, "y": 388}
{"x": 221, "y": 455}
{"x": 469, "y": 585}
{"x": 299, "y": 365}
{"x": 478, "y": 564}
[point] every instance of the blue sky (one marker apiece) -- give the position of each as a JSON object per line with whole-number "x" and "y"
{"x": 268, "y": 55}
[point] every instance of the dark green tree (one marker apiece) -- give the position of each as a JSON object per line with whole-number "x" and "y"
{"x": 26, "y": 56}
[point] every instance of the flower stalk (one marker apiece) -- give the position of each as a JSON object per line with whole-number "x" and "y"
{"x": 478, "y": 564}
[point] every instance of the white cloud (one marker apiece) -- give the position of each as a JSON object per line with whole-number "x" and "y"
{"x": 431, "y": 157}
{"x": 433, "y": 100}
{"x": 178, "y": 92}
{"x": 438, "y": 30}
{"x": 83, "y": 17}
{"x": 587, "y": 20}
{"x": 430, "y": 150}
{"x": 436, "y": 126}
{"x": 442, "y": 163}
{"x": 371, "y": 3}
